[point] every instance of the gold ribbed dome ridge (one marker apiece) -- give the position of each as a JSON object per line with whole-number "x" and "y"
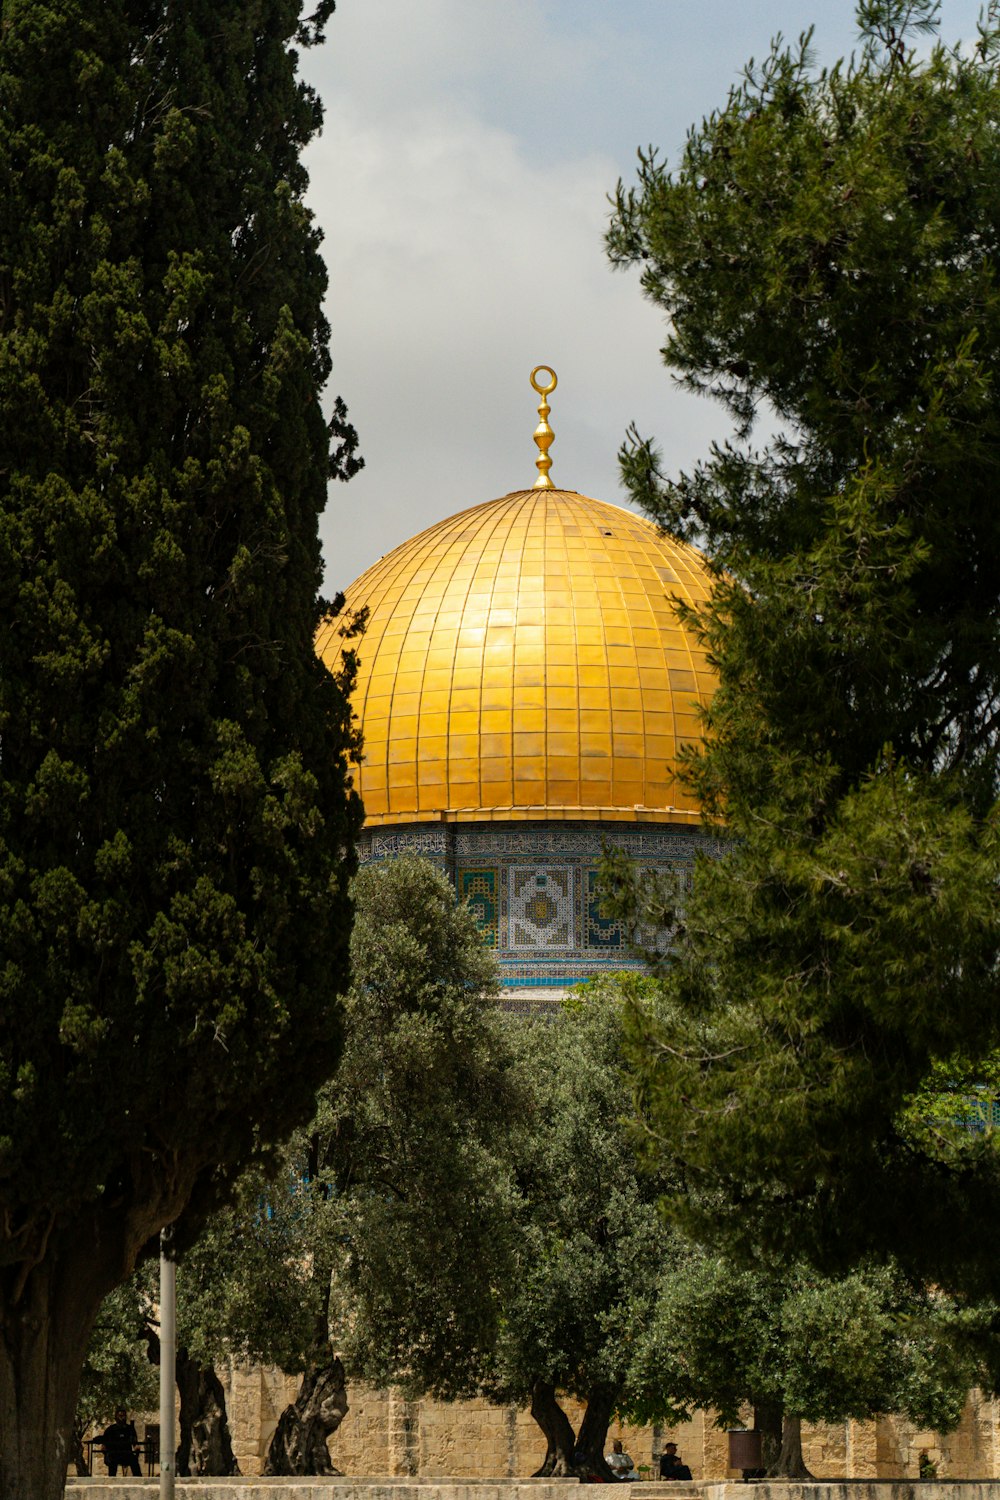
{"x": 523, "y": 660}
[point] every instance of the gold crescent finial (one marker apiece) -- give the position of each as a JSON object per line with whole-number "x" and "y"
{"x": 544, "y": 436}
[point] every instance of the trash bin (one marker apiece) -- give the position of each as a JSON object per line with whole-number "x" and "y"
{"x": 745, "y": 1448}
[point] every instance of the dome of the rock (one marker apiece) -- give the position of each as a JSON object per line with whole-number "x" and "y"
{"x": 525, "y": 686}
{"x": 524, "y": 660}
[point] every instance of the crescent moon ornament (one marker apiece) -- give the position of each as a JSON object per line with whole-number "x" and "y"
{"x": 544, "y": 436}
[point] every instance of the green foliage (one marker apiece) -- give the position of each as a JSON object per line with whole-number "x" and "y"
{"x": 825, "y": 253}
{"x": 117, "y": 1370}
{"x": 412, "y": 1146}
{"x": 389, "y": 1216}
{"x": 590, "y": 1244}
{"x": 175, "y": 811}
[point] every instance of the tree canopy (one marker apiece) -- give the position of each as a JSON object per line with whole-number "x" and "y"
{"x": 378, "y": 1242}
{"x": 590, "y": 1244}
{"x": 825, "y": 255}
{"x": 176, "y": 819}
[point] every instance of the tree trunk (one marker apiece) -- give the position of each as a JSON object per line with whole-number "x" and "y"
{"x": 205, "y": 1446}
{"x": 558, "y": 1434}
{"x": 593, "y": 1432}
{"x": 299, "y": 1445}
{"x": 791, "y": 1464}
{"x": 79, "y": 1457}
{"x": 767, "y": 1421}
{"x": 44, "y": 1327}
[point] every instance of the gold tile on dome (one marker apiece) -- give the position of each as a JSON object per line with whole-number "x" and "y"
{"x": 527, "y": 743}
{"x": 376, "y": 802}
{"x": 595, "y": 721}
{"x": 659, "y": 748}
{"x": 469, "y": 658}
{"x": 496, "y": 720}
{"x": 463, "y": 769}
{"x": 496, "y": 746}
{"x": 377, "y": 724}
{"x": 525, "y": 695}
{"x": 402, "y": 752}
{"x": 433, "y": 746}
{"x": 595, "y": 771}
{"x": 418, "y": 640}
{"x": 497, "y": 769}
{"x": 463, "y": 747}
{"x": 529, "y": 793}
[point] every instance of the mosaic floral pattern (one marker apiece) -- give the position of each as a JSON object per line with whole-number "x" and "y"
{"x": 478, "y": 888}
{"x": 601, "y": 932}
{"x": 540, "y": 907}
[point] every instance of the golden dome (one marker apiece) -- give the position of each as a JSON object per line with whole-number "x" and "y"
{"x": 523, "y": 660}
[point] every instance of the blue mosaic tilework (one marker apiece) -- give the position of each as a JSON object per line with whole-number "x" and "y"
{"x": 540, "y": 907}
{"x": 540, "y": 912}
{"x": 600, "y": 931}
{"x": 479, "y": 889}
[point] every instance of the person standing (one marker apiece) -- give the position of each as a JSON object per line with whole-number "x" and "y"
{"x": 121, "y": 1445}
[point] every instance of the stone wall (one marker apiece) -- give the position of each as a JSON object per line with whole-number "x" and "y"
{"x": 385, "y": 1434}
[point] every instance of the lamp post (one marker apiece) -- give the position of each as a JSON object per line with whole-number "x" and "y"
{"x": 168, "y": 1360}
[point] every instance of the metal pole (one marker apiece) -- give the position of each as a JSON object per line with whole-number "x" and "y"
{"x": 168, "y": 1361}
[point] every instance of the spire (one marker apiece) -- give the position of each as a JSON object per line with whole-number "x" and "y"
{"x": 544, "y": 436}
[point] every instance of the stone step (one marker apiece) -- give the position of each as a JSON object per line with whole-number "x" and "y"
{"x": 338, "y": 1487}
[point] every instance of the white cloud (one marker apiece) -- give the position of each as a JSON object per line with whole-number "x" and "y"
{"x": 461, "y": 181}
{"x": 458, "y": 260}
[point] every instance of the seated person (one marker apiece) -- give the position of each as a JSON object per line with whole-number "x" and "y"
{"x": 671, "y": 1466}
{"x": 618, "y": 1461}
{"x": 120, "y": 1445}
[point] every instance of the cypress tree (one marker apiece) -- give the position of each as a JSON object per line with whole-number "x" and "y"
{"x": 176, "y": 815}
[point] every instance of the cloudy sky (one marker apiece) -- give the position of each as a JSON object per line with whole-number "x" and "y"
{"x": 461, "y": 182}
